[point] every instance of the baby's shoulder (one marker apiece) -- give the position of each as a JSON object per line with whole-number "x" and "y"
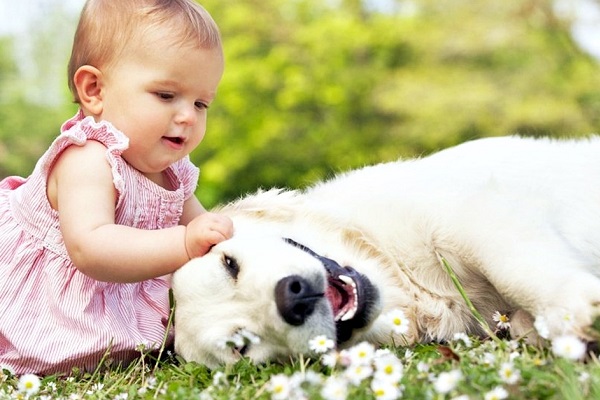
{"x": 90, "y": 153}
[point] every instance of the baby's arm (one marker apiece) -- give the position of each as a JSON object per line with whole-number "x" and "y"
{"x": 81, "y": 189}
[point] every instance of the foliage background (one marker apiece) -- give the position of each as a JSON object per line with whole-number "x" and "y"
{"x": 314, "y": 87}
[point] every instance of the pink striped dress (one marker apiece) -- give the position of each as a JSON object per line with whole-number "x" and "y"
{"x": 53, "y": 317}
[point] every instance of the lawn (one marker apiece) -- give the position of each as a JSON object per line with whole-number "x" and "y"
{"x": 464, "y": 368}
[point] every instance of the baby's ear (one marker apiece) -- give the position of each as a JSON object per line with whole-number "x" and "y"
{"x": 88, "y": 82}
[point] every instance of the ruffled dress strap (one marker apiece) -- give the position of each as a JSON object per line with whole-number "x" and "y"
{"x": 79, "y": 129}
{"x": 188, "y": 174}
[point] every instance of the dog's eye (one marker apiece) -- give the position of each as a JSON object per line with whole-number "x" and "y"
{"x": 231, "y": 266}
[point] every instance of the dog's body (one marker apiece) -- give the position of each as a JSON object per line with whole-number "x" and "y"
{"x": 518, "y": 220}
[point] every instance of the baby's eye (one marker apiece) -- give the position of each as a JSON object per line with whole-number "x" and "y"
{"x": 164, "y": 95}
{"x": 200, "y": 105}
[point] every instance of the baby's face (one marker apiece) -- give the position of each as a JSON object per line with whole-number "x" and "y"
{"x": 157, "y": 94}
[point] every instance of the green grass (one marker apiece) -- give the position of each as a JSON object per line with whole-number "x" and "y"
{"x": 480, "y": 363}
{"x": 542, "y": 376}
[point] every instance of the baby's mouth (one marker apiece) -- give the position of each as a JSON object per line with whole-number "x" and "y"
{"x": 176, "y": 140}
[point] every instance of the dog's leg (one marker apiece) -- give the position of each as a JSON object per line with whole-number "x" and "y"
{"x": 545, "y": 280}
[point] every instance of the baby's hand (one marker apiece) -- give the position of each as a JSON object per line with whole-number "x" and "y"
{"x": 205, "y": 231}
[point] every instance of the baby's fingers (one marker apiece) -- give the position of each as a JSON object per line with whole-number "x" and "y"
{"x": 206, "y": 231}
{"x": 224, "y": 226}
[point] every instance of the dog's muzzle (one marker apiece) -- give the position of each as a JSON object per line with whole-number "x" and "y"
{"x": 350, "y": 294}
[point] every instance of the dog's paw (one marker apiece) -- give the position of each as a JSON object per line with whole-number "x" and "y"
{"x": 522, "y": 326}
{"x": 582, "y": 320}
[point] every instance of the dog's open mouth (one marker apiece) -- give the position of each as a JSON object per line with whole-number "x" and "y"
{"x": 351, "y": 295}
{"x": 343, "y": 297}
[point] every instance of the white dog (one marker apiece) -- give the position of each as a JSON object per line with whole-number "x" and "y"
{"x": 518, "y": 220}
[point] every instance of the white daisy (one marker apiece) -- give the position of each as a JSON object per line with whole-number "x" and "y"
{"x": 423, "y": 368}
{"x": 382, "y": 352}
{"x": 96, "y": 387}
{"x": 310, "y": 377}
{"x": 388, "y": 368}
{"x": 509, "y": 374}
{"x": 488, "y": 359}
{"x": 385, "y": 390}
{"x": 29, "y": 384}
{"x": 219, "y": 379}
{"x": 357, "y": 373}
{"x": 513, "y": 345}
{"x": 363, "y": 353}
{"x": 502, "y": 320}
{"x": 447, "y": 381}
{"x": 329, "y": 359}
{"x": 334, "y": 388}
{"x": 398, "y": 320}
{"x": 279, "y": 386}
{"x": 206, "y": 394}
{"x": 321, "y": 344}
{"x": 498, "y": 393}
{"x": 461, "y": 336}
{"x": 568, "y": 346}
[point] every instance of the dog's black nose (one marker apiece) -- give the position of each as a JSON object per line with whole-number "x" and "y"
{"x": 296, "y": 298}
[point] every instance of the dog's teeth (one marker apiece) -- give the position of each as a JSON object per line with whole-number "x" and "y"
{"x": 347, "y": 280}
{"x": 349, "y": 315}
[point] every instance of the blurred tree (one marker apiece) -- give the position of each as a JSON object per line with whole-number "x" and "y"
{"x": 296, "y": 100}
{"x": 313, "y": 87}
{"x": 33, "y": 89}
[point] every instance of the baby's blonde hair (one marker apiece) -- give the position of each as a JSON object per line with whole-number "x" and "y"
{"x": 107, "y": 27}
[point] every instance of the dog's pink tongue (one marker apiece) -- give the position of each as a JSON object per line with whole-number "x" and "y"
{"x": 335, "y": 298}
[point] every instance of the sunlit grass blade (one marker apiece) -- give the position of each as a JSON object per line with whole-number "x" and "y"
{"x": 476, "y": 314}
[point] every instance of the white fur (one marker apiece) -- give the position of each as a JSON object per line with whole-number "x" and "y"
{"x": 517, "y": 219}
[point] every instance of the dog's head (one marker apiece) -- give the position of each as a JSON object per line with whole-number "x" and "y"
{"x": 265, "y": 298}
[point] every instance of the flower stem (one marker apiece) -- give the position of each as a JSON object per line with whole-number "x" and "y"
{"x": 470, "y": 305}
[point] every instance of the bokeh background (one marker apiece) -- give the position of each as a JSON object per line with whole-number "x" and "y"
{"x": 314, "y": 87}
